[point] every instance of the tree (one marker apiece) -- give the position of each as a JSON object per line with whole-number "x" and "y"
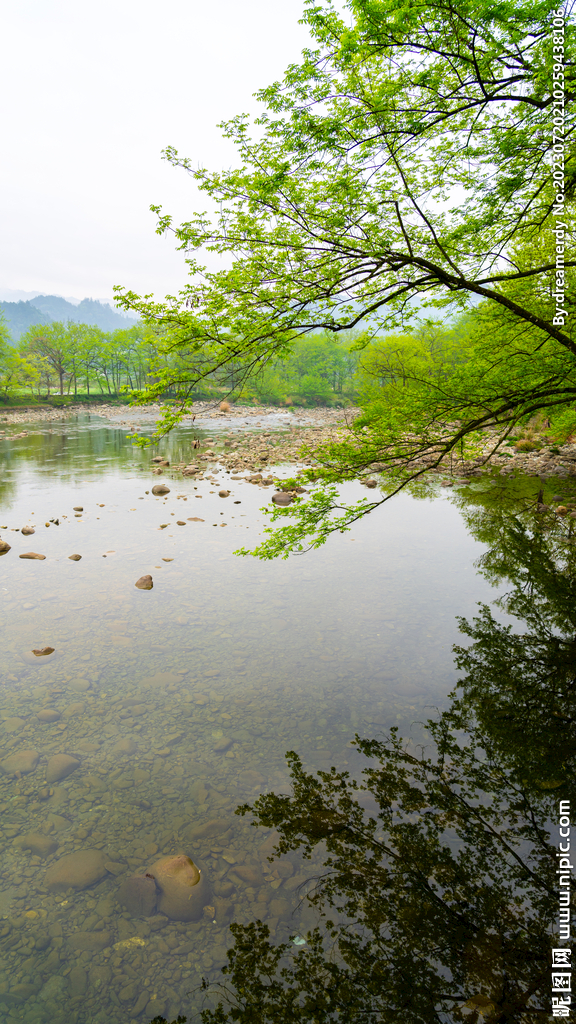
{"x": 404, "y": 162}
{"x": 52, "y": 344}
{"x": 16, "y": 372}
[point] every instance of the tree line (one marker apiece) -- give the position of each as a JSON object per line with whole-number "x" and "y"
{"x": 68, "y": 359}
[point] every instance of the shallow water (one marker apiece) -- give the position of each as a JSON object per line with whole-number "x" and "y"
{"x": 179, "y": 703}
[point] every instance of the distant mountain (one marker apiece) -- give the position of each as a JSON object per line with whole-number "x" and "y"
{"x": 43, "y": 309}
{"x": 20, "y": 316}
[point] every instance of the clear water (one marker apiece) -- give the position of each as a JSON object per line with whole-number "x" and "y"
{"x": 179, "y": 703}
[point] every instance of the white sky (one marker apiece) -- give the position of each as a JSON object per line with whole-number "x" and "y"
{"x": 92, "y": 92}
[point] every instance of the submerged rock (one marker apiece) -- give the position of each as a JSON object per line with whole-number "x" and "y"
{"x": 139, "y": 895}
{"x": 91, "y": 941}
{"x": 38, "y": 844}
{"x": 42, "y": 652}
{"x": 60, "y": 766}
{"x": 144, "y": 583}
{"x": 48, "y": 715}
{"x": 23, "y": 762}
{"x": 75, "y": 871}
{"x": 124, "y": 746}
{"x": 183, "y": 888}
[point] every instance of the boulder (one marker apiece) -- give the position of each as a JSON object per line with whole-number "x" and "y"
{"x": 27, "y": 531}
{"x": 183, "y": 888}
{"x": 23, "y": 762}
{"x": 60, "y": 766}
{"x": 160, "y": 489}
{"x": 144, "y": 583}
{"x": 4, "y": 547}
{"x": 282, "y": 498}
{"x": 75, "y": 871}
{"x": 139, "y": 895}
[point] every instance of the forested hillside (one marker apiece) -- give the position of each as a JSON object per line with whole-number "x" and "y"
{"x": 43, "y": 309}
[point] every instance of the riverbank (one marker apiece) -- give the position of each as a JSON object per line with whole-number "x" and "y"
{"x": 250, "y": 438}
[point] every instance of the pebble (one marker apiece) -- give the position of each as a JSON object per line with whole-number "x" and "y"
{"x": 75, "y": 871}
{"x": 33, "y": 554}
{"x": 144, "y": 583}
{"x": 78, "y": 508}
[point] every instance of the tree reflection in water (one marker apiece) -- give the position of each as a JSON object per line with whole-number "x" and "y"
{"x": 439, "y": 904}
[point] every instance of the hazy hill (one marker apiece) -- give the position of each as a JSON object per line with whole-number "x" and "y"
{"x": 43, "y": 309}
{"x": 20, "y": 316}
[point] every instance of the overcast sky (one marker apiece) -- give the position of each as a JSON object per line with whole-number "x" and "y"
{"x": 91, "y": 95}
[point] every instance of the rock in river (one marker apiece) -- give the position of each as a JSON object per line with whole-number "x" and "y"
{"x": 27, "y": 531}
{"x": 183, "y": 888}
{"x": 74, "y": 558}
{"x": 4, "y": 547}
{"x": 42, "y": 652}
{"x": 282, "y": 498}
{"x": 23, "y": 762}
{"x": 160, "y": 489}
{"x": 48, "y": 715}
{"x": 91, "y": 941}
{"x": 33, "y": 554}
{"x": 60, "y": 766}
{"x": 75, "y": 871}
{"x": 144, "y": 583}
{"x": 124, "y": 746}
{"x": 38, "y": 844}
{"x": 139, "y": 895}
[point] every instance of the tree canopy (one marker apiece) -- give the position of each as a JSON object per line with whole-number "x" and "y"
{"x": 404, "y": 162}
